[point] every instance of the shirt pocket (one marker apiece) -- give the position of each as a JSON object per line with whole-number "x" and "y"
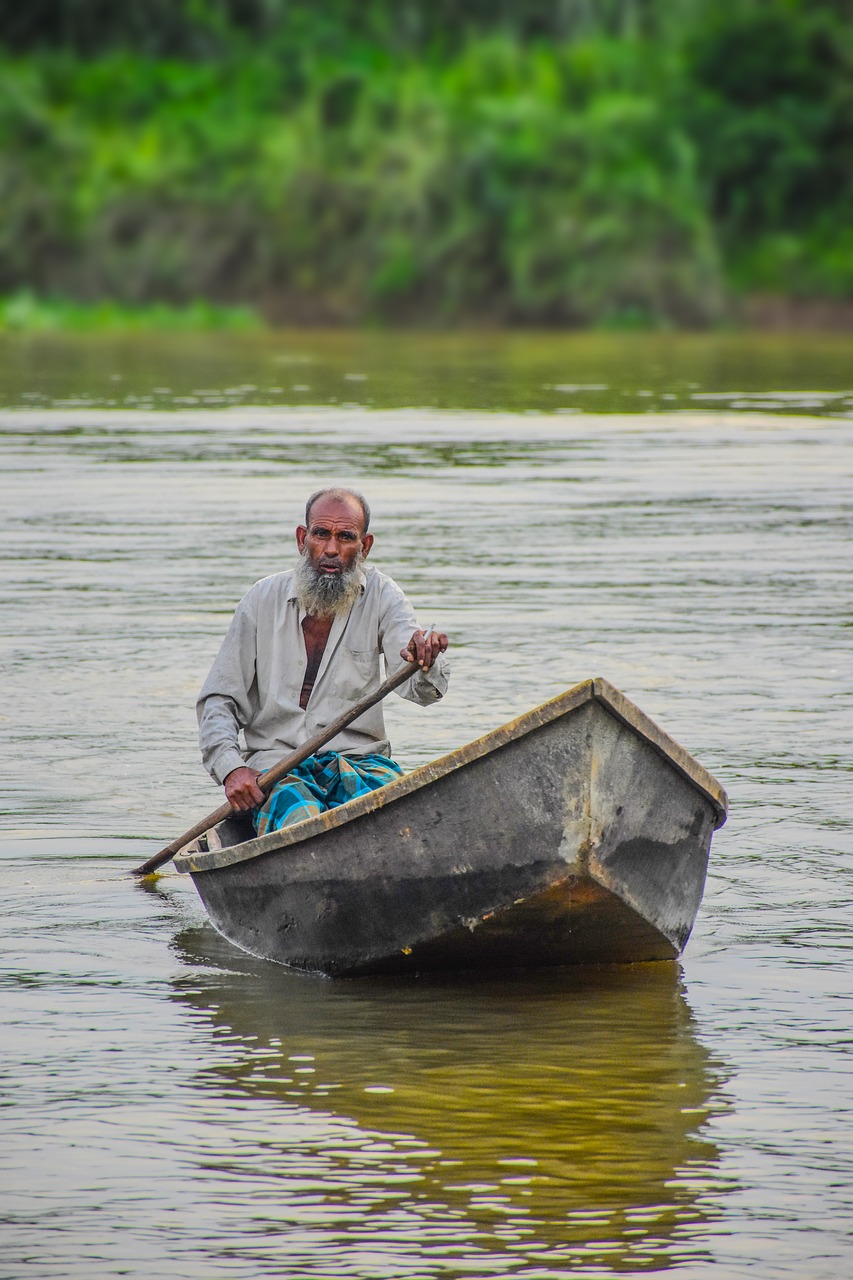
{"x": 356, "y": 673}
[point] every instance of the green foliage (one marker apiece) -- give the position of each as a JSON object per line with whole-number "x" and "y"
{"x": 25, "y": 313}
{"x": 620, "y": 163}
{"x": 771, "y": 109}
{"x": 205, "y": 28}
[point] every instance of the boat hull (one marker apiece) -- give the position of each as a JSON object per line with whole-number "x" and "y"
{"x": 577, "y": 834}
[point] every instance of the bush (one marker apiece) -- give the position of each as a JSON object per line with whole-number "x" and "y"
{"x": 429, "y": 163}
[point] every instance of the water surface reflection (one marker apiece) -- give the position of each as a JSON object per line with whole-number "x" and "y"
{"x": 548, "y": 372}
{"x": 560, "y": 1114}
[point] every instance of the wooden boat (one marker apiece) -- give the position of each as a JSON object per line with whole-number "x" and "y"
{"x": 578, "y": 833}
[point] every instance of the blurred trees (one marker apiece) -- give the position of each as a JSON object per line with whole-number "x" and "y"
{"x": 772, "y": 110}
{"x": 199, "y": 28}
{"x": 562, "y": 161}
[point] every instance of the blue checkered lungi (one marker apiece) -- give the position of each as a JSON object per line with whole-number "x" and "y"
{"x": 319, "y": 783}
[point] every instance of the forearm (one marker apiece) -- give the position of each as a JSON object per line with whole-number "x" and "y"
{"x": 401, "y": 635}
{"x": 218, "y": 736}
{"x": 224, "y": 704}
{"x": 426, "y": 687}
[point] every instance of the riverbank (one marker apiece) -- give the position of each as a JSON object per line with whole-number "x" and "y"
{"x": 25, "y": 313}
{"x": 472, "y": 170}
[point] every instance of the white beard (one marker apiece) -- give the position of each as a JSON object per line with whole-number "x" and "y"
{"x": 323, "y": 595}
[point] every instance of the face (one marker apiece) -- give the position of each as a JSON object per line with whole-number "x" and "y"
{"x": 334, "y": 538}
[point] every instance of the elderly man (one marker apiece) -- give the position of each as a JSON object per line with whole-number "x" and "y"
{"x": 303, "y": 646}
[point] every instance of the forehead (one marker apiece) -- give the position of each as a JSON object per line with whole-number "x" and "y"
{"x": 340, "y": 513}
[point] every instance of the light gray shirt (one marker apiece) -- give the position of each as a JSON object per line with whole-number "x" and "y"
{"x": 256, "y": 680}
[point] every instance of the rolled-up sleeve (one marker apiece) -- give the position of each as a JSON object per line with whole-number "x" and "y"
{"x": 397, "y": 624}
{"x": 228, "y": 697}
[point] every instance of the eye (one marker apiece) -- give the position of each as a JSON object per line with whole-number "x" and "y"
{"x": 347, "y": 537}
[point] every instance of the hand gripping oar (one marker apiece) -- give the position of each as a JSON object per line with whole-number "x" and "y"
{"x": 267, "y": 780}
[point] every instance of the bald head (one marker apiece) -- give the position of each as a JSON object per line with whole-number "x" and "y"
{"x": 350, "y": 496}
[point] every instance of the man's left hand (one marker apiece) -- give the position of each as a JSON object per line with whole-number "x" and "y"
{"x": 424, "y": 649}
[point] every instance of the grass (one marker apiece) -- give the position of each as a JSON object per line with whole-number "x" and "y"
{"x": 24, "y": 312}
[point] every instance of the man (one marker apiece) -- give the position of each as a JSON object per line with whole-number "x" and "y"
{"x": 303, "y": 647}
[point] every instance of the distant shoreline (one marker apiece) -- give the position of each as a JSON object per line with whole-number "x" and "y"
{"x": 655, "y": 167}
{"x": 25, "y": 313}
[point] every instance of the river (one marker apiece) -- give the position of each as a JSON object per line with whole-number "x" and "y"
{"x": 670, "y": 512}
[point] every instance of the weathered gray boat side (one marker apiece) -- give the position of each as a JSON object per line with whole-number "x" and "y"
{"x": 677, "y": 756}
{"x": 194, "y": 858}
{"x": 577, "y": 833}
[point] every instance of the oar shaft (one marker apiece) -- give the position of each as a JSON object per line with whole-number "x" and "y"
{"x": 267, "y": 780}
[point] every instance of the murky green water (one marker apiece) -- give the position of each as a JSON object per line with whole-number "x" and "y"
{"x": 542, "y": 373}
{"x": 173, "y": 1108}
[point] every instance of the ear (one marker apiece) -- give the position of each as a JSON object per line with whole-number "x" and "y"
{"x": 366, "y": 544}
{"x": 301, "y": 531}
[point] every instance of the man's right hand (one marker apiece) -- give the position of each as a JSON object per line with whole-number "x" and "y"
{"x": 242, "y": 790}
{"x": 424, "y": 647}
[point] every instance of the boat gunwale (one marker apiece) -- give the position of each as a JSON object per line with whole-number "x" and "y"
{"x": 189, "y": 861}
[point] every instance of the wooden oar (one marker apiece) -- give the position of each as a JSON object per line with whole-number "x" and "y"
{"x": 267, "y": 780}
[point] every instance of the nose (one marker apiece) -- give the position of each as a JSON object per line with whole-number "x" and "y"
{"x": 331, "y": 547}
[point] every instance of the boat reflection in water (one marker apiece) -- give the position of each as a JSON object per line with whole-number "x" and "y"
{"x": 559, "y": 1115}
